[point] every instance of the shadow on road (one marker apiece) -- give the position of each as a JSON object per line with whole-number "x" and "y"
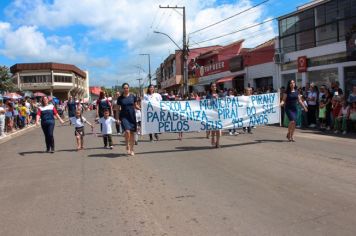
{"x": 31, "y": 152}
{"x": 108, "y": 155}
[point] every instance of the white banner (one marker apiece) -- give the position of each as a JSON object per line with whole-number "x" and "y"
{"x": 205, "y": 115}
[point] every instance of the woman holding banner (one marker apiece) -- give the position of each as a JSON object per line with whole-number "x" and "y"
{"x": 152, "y": 97}
{"x": 127, "y": 103}
{"x": 213, "y": 94}
{"x": 289, "y": 101}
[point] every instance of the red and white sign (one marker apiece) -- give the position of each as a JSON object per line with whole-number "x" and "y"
{"x": 213, "y": 68}
{"x": 302, "y": 64}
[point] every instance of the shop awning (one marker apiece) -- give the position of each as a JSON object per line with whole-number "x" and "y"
{"x": 225, "y": 79}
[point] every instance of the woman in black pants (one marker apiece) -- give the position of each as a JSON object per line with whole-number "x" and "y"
{"x": 47, "y": 112}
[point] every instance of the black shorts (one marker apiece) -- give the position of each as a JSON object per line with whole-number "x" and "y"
{"x": 79, "y": 131}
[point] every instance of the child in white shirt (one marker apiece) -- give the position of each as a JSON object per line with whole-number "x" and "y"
{"x": 78, "y": 121}
{"x": 106, "y": 121}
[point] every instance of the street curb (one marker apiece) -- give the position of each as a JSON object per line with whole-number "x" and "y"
{"x": 20, "y": 132}
{"x": 17, "y": 134}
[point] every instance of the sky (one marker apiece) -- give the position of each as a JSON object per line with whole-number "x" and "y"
{"x": 106, "y": 37}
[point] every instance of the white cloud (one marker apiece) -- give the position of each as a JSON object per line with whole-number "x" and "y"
{"x": 28, "y": 43}
{"x": 132, "y": 23}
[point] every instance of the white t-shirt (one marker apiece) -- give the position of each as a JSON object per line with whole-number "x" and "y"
{"x": 312, "y": 95}
{"x": 154, "y": 97}
{"x": 77, "y": 122}
{"x": 138, "y": 115}
{"x": 106, "y": 123}
{"x": 2, "y": 110}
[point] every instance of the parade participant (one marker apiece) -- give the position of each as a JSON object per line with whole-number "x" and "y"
{"x": 232, "y": 95}
{"x": 289, "y": 101}
{"x": 46, "y": 112}
{"x": 138, "y": 121}
{"x": 22, "y": 115}
{"x": 105, "y": 123}
{"x": 248, "y": 92}
{"x": 342, "y": 118}
{"x": 115, "y": 109}
{"x": 127, "y": 103}
{"x": 154, "y": 97}
{"x": 71, "y": 107}
{"x": 213, "y": 94}
{"x": 78, "y": 121}
{"x": 102, "y": 104}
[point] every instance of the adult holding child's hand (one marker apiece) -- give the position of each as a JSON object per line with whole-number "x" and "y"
{"x": 47, "y": 113}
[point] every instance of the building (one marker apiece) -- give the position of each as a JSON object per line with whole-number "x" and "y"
{"x": 317, "y": 43}
{"x": 55, "y": 79}
{"x": 233, "y": 66}
{"x": 169, "y": 74}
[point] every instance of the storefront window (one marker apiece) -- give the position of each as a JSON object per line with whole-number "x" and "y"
{"x": 323, "y": 77}
{"x": 326, "y": 34}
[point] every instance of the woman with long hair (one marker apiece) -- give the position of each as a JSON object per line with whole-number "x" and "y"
{"x": 289, "y": 101}
{"x": 213, "y": 94}
{"x": 47, "y": 113}
{"x": 152, "y": 97}
{"x": 127, "y": 103}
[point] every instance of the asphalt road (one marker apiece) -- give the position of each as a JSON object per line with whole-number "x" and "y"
{"x": 256, "y": 184}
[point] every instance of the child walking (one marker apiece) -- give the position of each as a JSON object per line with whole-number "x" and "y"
{"x": 138, "y": 121}
{"x": 106, "y": 121}
{"x": 78, "y": 121}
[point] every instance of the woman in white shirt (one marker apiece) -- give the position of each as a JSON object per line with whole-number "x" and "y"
{"x": 312, "y": 105}
{"x": 152, "y": 97}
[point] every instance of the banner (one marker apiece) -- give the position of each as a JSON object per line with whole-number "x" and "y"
{"x": 211, "y": 114}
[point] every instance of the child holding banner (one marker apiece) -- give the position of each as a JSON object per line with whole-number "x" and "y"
{"x": 213, "y": 94}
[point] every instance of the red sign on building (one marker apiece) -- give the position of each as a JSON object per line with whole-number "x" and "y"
{"x": 302, "y": 64}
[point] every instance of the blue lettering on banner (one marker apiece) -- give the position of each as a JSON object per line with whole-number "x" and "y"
{"x": 263, "y": 99}
{"x": 149, "y": 105}
{"x": 211, "y": 125}
{"x": 180, "y": 126}
{"x": 269, "y": 109}
{"x": 258, "y": 120}
{"x": 251, "y": 111}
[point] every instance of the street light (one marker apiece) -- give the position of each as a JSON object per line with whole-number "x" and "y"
{"x": 149, "y": 65}
{"x": 157, "y": 32}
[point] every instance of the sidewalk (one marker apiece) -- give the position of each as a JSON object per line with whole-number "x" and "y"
{"x": 17, "y": 133}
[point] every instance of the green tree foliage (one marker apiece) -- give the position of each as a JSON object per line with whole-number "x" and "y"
{"x": 6, "y": 82}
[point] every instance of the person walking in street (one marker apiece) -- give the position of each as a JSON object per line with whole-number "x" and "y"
{"x": 154, "y": 98}
{"x": 103, "y": 104}
{"x": 47, "y": 113}
{"x": 78, "y": 121}
{"x": 213, "y": 94}
{"x": 106, "y": 130}
{"x": 71, "y": 107}
{"x": 289, "y": 101}
{"x": 127, "y": 103}
{"x": 115, "y": 109}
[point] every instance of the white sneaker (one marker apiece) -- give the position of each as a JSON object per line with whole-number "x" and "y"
{"x": 336, "y": 132}
{"x": 230, "y": 133}
{"x": 236, "y": 133}
{"x": 344, "y": 132}
{"x": 312, "y": 126}
{"x": 328, "y": 128}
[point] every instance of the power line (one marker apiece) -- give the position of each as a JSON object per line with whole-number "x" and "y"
{"x": 234, "y": 32}
{"x": 239, "y": 13}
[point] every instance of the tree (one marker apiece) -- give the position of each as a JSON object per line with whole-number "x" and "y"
{"x": 6, "y": 82}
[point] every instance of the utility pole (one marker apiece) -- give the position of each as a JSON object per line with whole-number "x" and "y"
{"x": 184, "y": 51}
{"x": 139, "y": 85}
{"x": 149, "y": 66}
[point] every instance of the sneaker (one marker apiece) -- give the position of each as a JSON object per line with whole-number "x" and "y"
{"x": 344, "y": 132}
{"x": 236, "y": 133}
{"x": 230, "y": 133}
{"x": 336, "y": 132}
{"x": 312, "y": 126}
{"x": 111, "y": 147}
{"x": 52, "y": 151}
{"x": 328, "y": 128}
{"x": 119, "y": 134}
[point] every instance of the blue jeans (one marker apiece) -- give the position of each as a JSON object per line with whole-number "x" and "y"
{"x": 48, "y": 128}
